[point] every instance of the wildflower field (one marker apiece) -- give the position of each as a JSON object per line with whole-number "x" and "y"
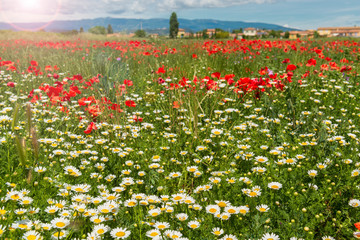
{"x": 183, "y": 139}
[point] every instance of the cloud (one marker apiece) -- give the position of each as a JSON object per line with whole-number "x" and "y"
{"x": 29, "y": 10}
{"x": 141, "y": 6}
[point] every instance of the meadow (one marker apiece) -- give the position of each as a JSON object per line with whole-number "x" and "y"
{"x": 179, "y": 139}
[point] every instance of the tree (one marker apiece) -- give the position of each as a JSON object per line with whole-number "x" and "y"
{"x": 220, "y": 33}
{"x": 110, "y": 29}
{"x": 316, "y": 34}
{"x": 275, "y": 34}
{"x": 174, "y": 26}
{"x": 81, "y": 29}
{"x": 98, "y": 30}
{"x": 204, "y": 34}
{"x": 287, "y": 34}
{"x": 70, "y": 33}
{"x": 237, "y": 30}
{"x": 140, "y": 33}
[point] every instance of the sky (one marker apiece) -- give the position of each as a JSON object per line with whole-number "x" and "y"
{"x": 301, "y": 14}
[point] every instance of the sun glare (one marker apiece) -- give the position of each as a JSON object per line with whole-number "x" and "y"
{"x": 29, "y": 4}
{"x": 29, "y": 11}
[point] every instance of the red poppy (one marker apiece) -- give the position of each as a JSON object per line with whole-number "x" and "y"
{"x": 31, "y": 94}
{"x": 161, "y": 70}
{"x": 176, "y": 104}
{"x": 286, "y": 60}
{"x": 34, "y": 99}
{"x": 90, "y": 127}
{"x": 128, "y": 82}
{"x": 357, "y": 225}
{"x": 48, "y": 68}
{"x": 345, "y": 68}
{"x": 10, "y": 84}
{"x": 311, "y": 62}
{"x": 324, "y": 67}
{"x": 130, "y": 103}
{"x": 290, "y": 67}
{"x": 216, "y": 75}
{"x": 34, "y": 63}
{"x": 137, "y": 118}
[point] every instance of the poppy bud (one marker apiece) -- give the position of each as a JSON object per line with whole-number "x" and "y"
{"x": 357, "y": 225}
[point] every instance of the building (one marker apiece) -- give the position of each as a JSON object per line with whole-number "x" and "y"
{"x": 301, "y": 34}
{"x": 261, "y": 34}
{"x": 250, "y": 32}
{"x": 181, "y": 33}
{"x": 339, "y": 31}
{"x": 210, "y": 32}
{"x": 236, "y": 35}
{"x": 154, "y": 35}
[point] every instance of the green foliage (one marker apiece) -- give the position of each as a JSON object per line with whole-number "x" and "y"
{"x": 237, "y": 30}
{"x": 98, "y": 30}
{"x": 287, "y": 34}
{"x": 140, "y": 33}
{"x": 296, "y": 129}
{"x": 275, "y": 34}
{"x": 222, "y": 34}
{"x": 204, "y": 34}
{"x": 81, "y": 30}
{"x": 110, "y": 29}
{"x": 316, "y": 34}
{"x": 69, "y": 33}
{"x": 174, "y": 26}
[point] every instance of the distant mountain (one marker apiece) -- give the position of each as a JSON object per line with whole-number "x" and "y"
{"x": 159, "y": 25}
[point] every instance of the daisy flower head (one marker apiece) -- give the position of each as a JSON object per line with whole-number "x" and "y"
{"x": 222, "y": 203}
{"x": 355, "y": 234}
{"x": 81, "y": 188}
{"x": 93, "y": 236}
{"x": 22, "y": 224}
{"x": 253, "y": 193}
{"x": 60, "y": 222}
{"x": 231, "y": 210}
{"x": 182, "y": 216}
{"x": 213, "y": 209}
{"x": 120, "y": 233}
{"x": 130, "y": 203}
{"x": 224, "y": 216}
{"x": 153, "y": 233}
{"x": 154, "y": 212}
{"x": 216, "y": 132}
{"x": 328, "y": 238}
{"x": 228, "y": 237}
{"x": 59, "y": 234}
{"x": 275, "y": 185}
{"x": 2, "y": 230}
{"x": 173, "y": 234}
{"x": 97, "y": 219}
{"x": 312, "y": 173}
{"x": 100, "y": 229}
{"x": 217, "y": 231}
{"x": 46, "y": 226}
{"x": 270, "y": 236}
{"x": 14, "y": 195}
{"x": 354, "y": 203}
{"x": 261, "y": 159}
{"x": 263, "y": 208}
{"x": 243, "y": 210}
{"x": 161, "y": 225}
{"x": 31, "y": 235}
{"x": 193, "y": 224}
{"x": 355, "y": 173}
